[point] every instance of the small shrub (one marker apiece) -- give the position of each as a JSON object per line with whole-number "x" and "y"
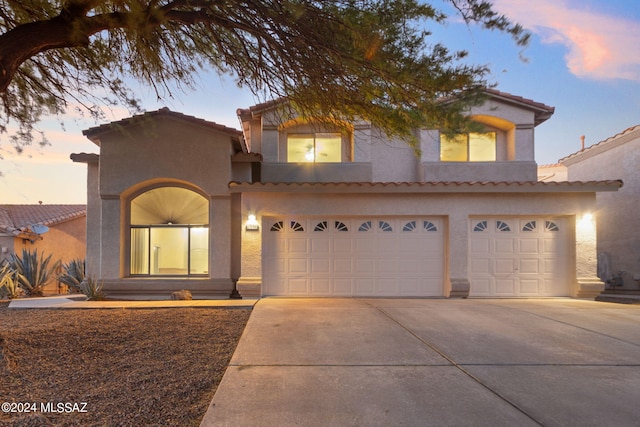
{"x": 34, "y": 271}
{"x": 92, "y": 289}
{"x": 73, "y": 275}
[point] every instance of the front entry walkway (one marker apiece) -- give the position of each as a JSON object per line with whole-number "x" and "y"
{"x": 382, "y": 362}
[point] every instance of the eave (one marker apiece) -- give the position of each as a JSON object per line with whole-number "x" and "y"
{"x": 427, "y": 187}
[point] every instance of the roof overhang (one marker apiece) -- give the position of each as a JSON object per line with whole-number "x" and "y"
{"x": 427, "y": 187}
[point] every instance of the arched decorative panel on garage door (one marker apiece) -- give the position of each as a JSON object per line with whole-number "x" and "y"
{"x": 353, "y": 256}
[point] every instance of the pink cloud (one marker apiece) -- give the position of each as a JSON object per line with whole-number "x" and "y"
{"x": 599, "y": 46}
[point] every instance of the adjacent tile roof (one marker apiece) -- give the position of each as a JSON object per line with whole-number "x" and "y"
{"x": 92, "y": 133}
{"x": 620, "y": 138}
{"x": 428, "y": 187}
{"x": 17, "y": 219}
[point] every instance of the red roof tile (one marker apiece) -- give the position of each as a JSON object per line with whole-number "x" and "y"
{"x": 429, "y": 187}
{"x": 21, "y": 216}
{"x": 94, "y": 131}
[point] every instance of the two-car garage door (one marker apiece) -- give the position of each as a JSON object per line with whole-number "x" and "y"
{"x": 353, "y": 256}
{"x": 401, "y": 257}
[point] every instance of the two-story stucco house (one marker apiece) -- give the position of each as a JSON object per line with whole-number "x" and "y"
{"x": 300, "y": 208}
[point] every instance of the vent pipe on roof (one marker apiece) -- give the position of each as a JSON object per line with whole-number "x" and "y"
{"x": 582, "y": 143}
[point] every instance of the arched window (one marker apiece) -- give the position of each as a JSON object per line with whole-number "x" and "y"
{"x": 169, "y": 233}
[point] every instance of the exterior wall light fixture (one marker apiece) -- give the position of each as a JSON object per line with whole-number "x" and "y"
{"x": 252, "y": 223}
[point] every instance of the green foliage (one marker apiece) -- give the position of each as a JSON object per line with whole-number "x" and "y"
{"x": 92, "y": 289}
{"x": 368, "y": 59}
{"x": 33, "y": 271}
{"x": 73, "y": 274}
{"x": 8, "y": 281}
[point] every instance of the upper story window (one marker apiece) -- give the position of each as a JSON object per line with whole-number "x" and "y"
{"x": 314, "y": 148}
{"x": 469, "y": 147}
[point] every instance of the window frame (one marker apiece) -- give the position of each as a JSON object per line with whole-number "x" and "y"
{"x": 315, "y": 136}
{"x": 468, "y": 146}
{"x": 131, "y": 270}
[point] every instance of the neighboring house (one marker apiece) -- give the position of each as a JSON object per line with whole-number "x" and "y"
{"x": 56, "y": 230}
{"x": 617, "y": 213}
{"x": 299, "y": 208}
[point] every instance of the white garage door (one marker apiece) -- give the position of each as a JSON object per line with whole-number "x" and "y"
{"x": 519, "y": 257}
{"x": 353, "y": 256}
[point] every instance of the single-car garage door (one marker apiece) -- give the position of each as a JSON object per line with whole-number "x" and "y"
{"x": 519, "y": 257}
{"x": 353, "y": 256}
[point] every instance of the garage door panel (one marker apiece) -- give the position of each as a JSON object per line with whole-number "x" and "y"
{"x": 505, "y": 286}
{"x": 297, "y": 266}
{"x": 387, "y": 287}
{"x": 480, "y": 246}
{"x": 365, "y": 267}
{"x": 504, "y": 266}
{"x": 320, "y": 246}
{"x": 528, "y": 265}
{"x": 341, "y": 287}
{"x": 365, "y": 286}
{"x": 480, "y": 266}
{"x": 298, "y": 286}
{"x": 320, "y": 286}
{"x": 343, "y": 266}
{"x": 529, "y": 246}
{"x": 320, "y": 266}
{"x": 342, "y": 246}
{"x": 386, "y": 266}
{"x": 504, "y": 246}
{"x": 530, "y": 286}
{"x": 297, "y": 246}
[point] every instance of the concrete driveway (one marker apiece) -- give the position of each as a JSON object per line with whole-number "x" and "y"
{"x": 422, "y": 362}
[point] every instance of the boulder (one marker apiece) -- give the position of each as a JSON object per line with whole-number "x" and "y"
{"x": 184, "y": 294}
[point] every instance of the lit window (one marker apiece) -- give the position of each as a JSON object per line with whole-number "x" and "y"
{"x": 314, "y": 148}
{"x": 169, "y": 231}
{"x": 471, "y": 147}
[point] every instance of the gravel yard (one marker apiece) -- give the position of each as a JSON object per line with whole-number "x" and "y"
{"x": 131, "y": 367}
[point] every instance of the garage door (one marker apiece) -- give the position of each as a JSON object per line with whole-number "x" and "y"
{"x": 353, "y": 256}
{"x": 519, "y": 257}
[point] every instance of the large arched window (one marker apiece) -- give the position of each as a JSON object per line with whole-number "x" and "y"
{"x": 169, "y": 233}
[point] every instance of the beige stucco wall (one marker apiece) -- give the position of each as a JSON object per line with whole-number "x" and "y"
{"x": 455, "y": 208}
{"x": 395, "y": 161}
{"x": 617, "y": 213}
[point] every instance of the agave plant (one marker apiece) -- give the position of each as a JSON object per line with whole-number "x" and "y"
{"x": 92, "y": 289}
{"x": 8, "y": 281}
{"x": 34, "y": 271}
{"x": 73, "y": 274}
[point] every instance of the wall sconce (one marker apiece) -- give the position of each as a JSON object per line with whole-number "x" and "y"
{"x": 252, "y": 223}
{"x": 586, "y": 222}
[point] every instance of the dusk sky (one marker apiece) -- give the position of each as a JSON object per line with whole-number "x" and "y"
{"x": 583, "y": 59}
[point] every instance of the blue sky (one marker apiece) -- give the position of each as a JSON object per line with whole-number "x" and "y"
{"x": 583, "y": 59}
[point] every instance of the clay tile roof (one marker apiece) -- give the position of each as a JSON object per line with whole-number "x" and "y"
{"x": 429, "y": 187}
{"x": 602, "y": 144}
{"x": 543, "y": 111}
{"x": 16, "y": 217}
{"x": 94, "y": 131}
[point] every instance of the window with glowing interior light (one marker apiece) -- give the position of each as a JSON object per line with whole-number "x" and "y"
{"x": 468, "y": 147}
{"x": 314, "y": 148}
{"x": 169, "y": 233}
